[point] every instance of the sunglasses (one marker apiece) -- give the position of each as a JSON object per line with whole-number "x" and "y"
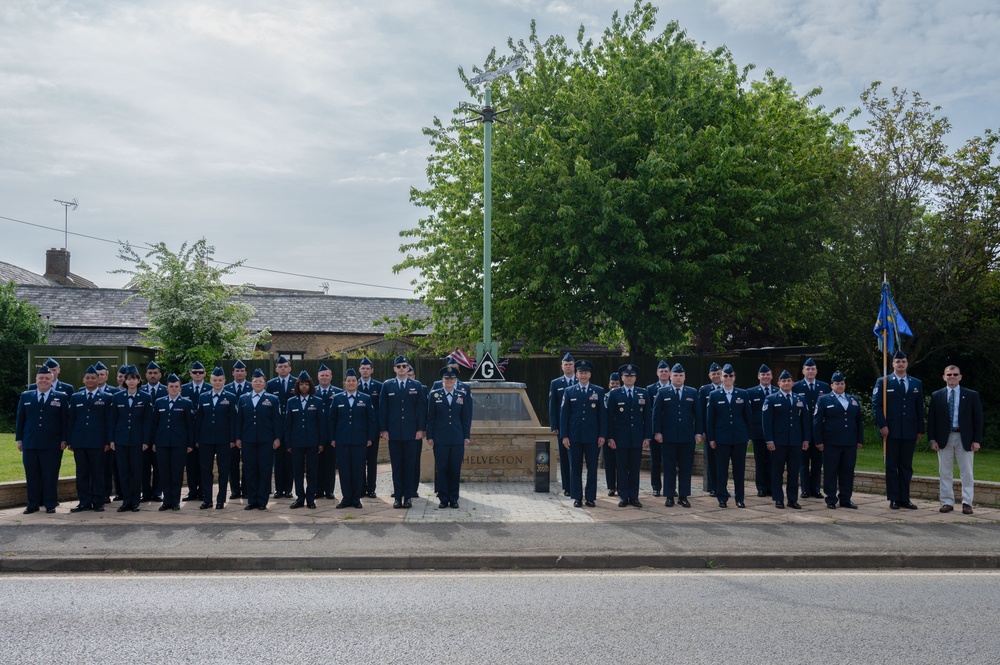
{"x": 953, "y": 374}
{"x": 402, "y": 366}
{"x": 197, "y": 371}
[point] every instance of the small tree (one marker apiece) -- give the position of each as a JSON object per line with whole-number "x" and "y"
{"x": 193, "y": 314}
{"x": 18, "y": 328}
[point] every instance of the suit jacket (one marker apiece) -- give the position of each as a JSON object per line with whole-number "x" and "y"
{"x": 812, "y": 396}
{"x": 677, "y": 418}
{"x": 131, "y": 425}
{"x": 173, "y": 427}
{"x": 154, "y": 393}
{"x": 582, "y": 416}
{"x": 375, "y": 392}
{"x": 238, "y": 390}
{"x": 757, "y": 395}
{"x": 88, "y": 420}
{"x": 352, "y": 425}
{"x": 261, "y": 423}
{"x": 305, "y": 427}
{"x": 215, "y": 424}
{"x": 449, "y": 425}
{"x": 728, "y": 421}
{"x": 556, "y": 388}
{"x": 402, "y": 411}
{"x": 274, "y": 387}
{"x": 904, "y": 411}
{"x": 785, "y": 425}
{"x": 970, "y": 417}
{"x": 194, "y": 394}
{"x": 835, "y": 426}
{"x": 629, "y": 421}
{"x": 41, "y": 427}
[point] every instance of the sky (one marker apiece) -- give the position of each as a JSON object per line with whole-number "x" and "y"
{"x": 288, "y": 134}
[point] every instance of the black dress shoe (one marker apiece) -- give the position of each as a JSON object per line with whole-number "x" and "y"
{"x": 623, "y": 503}
{"x": 443, "y": 504}
{"x": 371, "y": 495}
{"x": 204, "y": 505}
{"x": 637, "y": 503}
{"x": 712, "y": 493}
{"x": 656, "y": 492}
{"x": 831, "y": 505}
{"x": 761, "y": 493}
{"x": 740, "y": 504}
{"x": 250, "y": 506}
{"x": 122, "y": 508}
{"x": 220, "y": 506}
{"x": 118, "y": 497}
{"x": 909, "y": 504}
{"x": 261, "y": 506}
{"x": 234, "y": 495}
{"x": 454, "y": 504}
{"x": 684, "y": 502}
{"x": 669, "y": 502}
{"x": 612, "y": 492}
{"x": 135, "y": 508}
{"x": 175, "y": 508}
{"x": 357, "y": 504}
{"x": 28, "y": 511}
{"x": 893, "y": 505}
{"x": 805, "y": 495}
{"x": 191, "y": 496}
{"x": 164, "y": 507}
{"x": 278, "y": 495}
{"x": 589, "y": 504}
{"x": 311, "y": 505}
{"x": 407, "y": 504}
{"x": 98, "y": 508}
{"x": 79, "y": 508}
{"x": 780, "y": 505}
{"x": 849, "y": 504}
{"x": 577, "y": 503}
{"x": 298, "y": 503}
{"x": 342, "y": 505}
{"x": 795, "y": 505}
{"x": 50, "y": 511}
{"x": 722, "y": 504}
{"x": 397, "y": 504}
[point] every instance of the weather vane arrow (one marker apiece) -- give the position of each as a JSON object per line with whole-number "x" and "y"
{"x": 511, "y": 66}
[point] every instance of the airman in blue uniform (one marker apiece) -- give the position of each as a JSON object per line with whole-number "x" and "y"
{"x": 449, "y": 426}
{"x": 761, "y": 456}
{"x": 656, "y": 469}
{"x": 258, "y": 435}
{"x": 715, "y": 382}
{"x": 812, "y": 459}
{"x": 629, "y": 430}
{"x": 582, "y": 426}
{"x": 59, "y": 386}
{"x": 785, "y": 423}
{"x": 328, "y": 455}
{"x": 556, "y": 388}
{"x": 193, "y": 391}
{"x": 238, "y": 386}
{"x": 305, "y": 433}
{"x": 352, "y": 428}
{"x": 215, "y": 438}
{"x": 131, "y": 426}
{"x": 40, "y": 435}
{"x": 373, "y": 389}
{"x": 902, "y": 427}
{"x": 283, "y": 386}
{"x": 411, "y": 376}
{"x": 173, "y": 439}
{"x": 151, "y": 490}
{"x": 677, "y": 418}
{"x": 609, "y": 454}
{"x": 88, "y": 418}
{"x": 402, "y": 424}
{"x": 839, "y": 431}
{"x": 728, "y": 434}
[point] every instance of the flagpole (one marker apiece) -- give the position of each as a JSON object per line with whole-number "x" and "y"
{"x": 885, "y": 381}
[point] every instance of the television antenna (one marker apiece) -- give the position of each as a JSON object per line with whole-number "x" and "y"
{"x": 66, "y": 208}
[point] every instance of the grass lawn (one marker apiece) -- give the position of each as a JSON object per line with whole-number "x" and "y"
{"x": 11, "y": 467}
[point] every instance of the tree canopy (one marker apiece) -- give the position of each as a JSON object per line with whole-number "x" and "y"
{"x": 19, "y": 327}
{"x": 640, "y": 191}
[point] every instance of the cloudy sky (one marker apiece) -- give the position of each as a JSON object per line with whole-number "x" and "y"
{"x": 289, "y": 133}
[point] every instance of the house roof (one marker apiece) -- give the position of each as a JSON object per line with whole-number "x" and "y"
{"x": 12, "y": 273}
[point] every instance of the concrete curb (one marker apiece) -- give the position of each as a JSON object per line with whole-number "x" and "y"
{"x": 550, "y": 561}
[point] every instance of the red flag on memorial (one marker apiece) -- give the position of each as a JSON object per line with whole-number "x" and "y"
{"x": 463, "y": 360}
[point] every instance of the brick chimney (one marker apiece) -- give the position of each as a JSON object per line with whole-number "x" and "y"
{"x": 57, "y": 266}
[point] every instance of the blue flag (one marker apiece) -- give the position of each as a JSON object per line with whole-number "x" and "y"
{"x": 890, "y": 321}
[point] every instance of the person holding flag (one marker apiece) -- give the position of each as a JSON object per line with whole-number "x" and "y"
{"x": 898, "y": 405}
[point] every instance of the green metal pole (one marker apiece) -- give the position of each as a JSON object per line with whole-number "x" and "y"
{"x": 487, "y": 229}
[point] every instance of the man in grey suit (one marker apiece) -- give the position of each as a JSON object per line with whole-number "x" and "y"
{"x": 955, "y": 425}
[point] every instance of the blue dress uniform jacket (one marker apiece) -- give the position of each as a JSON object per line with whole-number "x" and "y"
{"x": 556, "y": 389}
{"x": 238, "y": 388}
{"x": 194, "y": 392}
{"x": 812, "y": 460}
{"x": 305, "y": 427}
{"x": 582, "y": 417}
{"x": 374, "y": 390}
{"x": 703, "y": 394}
{"x": 629, "y": 424}
{"x": 257, "y": 427}
{"x": 87, "y": 427}
{"x": 904, "y": 407}
{"x": 761, "y": 456}
{"x": 448, "y": 426}
{"x": 154, "y": 392}
{"x": 131, "y": 425}
{"x": 282, "y": 463}
{"x": 350, "y": 428}
{"x": 729, "y": 422}
{"x": 215, "y": 424}
{"x": 173, "y": 434}
{"x": 58, "y": 386}
{"x": 787, "y": 427}
{"x": 656, "y": 469}
{"x": 402, "y": 413}
{"x": 835, "y": 426}
{"x": 41, "y": 429}
{"x": 275, "y": 387}
{"x": 677, "y": 418}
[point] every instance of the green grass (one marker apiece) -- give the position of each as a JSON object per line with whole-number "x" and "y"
{"x": 11, "y": 467}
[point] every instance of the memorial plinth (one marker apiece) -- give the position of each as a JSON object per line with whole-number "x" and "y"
{"x": 502, "y": 443}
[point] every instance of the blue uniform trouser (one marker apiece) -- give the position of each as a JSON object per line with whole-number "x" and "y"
{"x": 710, "y": 474}
{"x": 416, "y": 466}
{"x": 170, "y": 461}
{"x": 403, "y": 457}
{"x": 762, "y": 466}
{"x": 656, "y": 465}
{"x": 812, "y": 470}
{"x": 448, "y": 461}
{"x": 838, "y": 470}
{"x": 564, "y": 471}
{"x": 678, "y": 465}
{"x": 629, "y": 461}
{"x": 193, "y": 472}
{"x": 112, "y": 481}
{"x": 371, "y": 466}
{"x": 351, "y": 465}
{"x": 235, "y": 481}
{"x": 258, "y": 462}
{"x": 282, "y": 468}
{"x": 90, "y": 476}
{"x": 41, "y": 471}
{"x": 129, "y": 459}
{"x": 898, "y": 468}
{"x": 220, "y": 454}
{"x": 578, "y": 453}
{"x": 610, "y": 467}
{"x": 327, "y": 472}
{"x": 724, "y": 456}
{"x": 305, "y": 472}
{"x": 782, "y": 458}
{"x": 150, "y": 474}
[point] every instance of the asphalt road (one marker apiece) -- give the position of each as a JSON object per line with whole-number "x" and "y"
{"x": 565, "y": 617}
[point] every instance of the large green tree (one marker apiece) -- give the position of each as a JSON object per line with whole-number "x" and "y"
{"x": 646, "y": 192}
{"x": 19, "y": 327}
{"x": 193, "y": 313}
